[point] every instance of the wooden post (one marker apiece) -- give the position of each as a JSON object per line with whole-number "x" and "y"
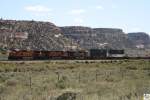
{"x": 30, "y": 84}
{"x": 79, "y": 78}
{"x": 58, "y": 76}
{"x": 96, "y": 75}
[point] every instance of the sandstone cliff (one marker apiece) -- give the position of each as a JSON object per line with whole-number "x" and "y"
{"x": 36, "y": 35}
{"x": 32, "y": 35}
{"x": 98, "y": 37}
{"x": 140, "y": 39}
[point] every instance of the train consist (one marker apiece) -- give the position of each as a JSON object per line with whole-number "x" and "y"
{"x": 64, "y": 55}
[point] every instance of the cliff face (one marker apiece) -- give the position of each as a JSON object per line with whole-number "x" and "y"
{"x": 31, "y": 35}
{"x": 140, "y": 39}
{"x": 97, "y": 37}
{"x": 46, "y": 36}
{"x": 82, "y": 35}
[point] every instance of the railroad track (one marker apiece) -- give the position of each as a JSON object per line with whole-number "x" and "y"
{"x": 72, "y": 61}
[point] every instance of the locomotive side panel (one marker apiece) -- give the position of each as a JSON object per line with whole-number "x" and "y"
{"x": 56, "y": 54}
{"x": 77, "y": 54}
{"x": 82, "y": 55}
{"x": 71, "y": 55}
{"x": 20, "y": 55}
{"x": 41, "y": 55}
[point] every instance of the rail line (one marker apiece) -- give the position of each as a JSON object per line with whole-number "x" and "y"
{"x": 74, "y": 60}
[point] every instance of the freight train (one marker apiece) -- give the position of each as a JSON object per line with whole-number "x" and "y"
{"x": 64, "y": 55}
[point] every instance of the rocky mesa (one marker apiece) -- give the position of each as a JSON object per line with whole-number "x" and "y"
{"x": 98, "y": 37}
{"x": 37, "y": 35}
{"x": 32, "y": 35}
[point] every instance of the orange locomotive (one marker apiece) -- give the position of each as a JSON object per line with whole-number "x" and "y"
{"x": 42, "y": 55}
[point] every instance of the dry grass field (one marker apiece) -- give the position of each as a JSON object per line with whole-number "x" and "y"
{"x": 85, "y": 80}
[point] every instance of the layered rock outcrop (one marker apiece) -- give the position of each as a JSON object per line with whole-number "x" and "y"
{"x": 140, "y": 39}
{"x": 36, "y": 35}
{"x": 32, "y": 35}
{"x": 97, "y": 37}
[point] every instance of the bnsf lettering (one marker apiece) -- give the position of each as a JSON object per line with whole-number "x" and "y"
{"x": 22, "y": 54}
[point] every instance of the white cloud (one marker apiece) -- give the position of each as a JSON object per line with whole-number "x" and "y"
{"x": 100, "y": 7}
{"x": 114, "y": 6}
{"x": 78, "y": 16}
{"x": 37, "y": 9}
{"x": 39, "y": 12}
{"x": 78, "y": 20}
{"x": 135, "y": 29}
{"x": 77, "y": 11}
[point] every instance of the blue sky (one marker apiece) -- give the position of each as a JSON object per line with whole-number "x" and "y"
{"x": 130, "y": 15}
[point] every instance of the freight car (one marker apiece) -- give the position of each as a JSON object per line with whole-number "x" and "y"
{"x": 116, "y": 53}
{"x": 106, "y": 54}
{"x": 98, "y": 54}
